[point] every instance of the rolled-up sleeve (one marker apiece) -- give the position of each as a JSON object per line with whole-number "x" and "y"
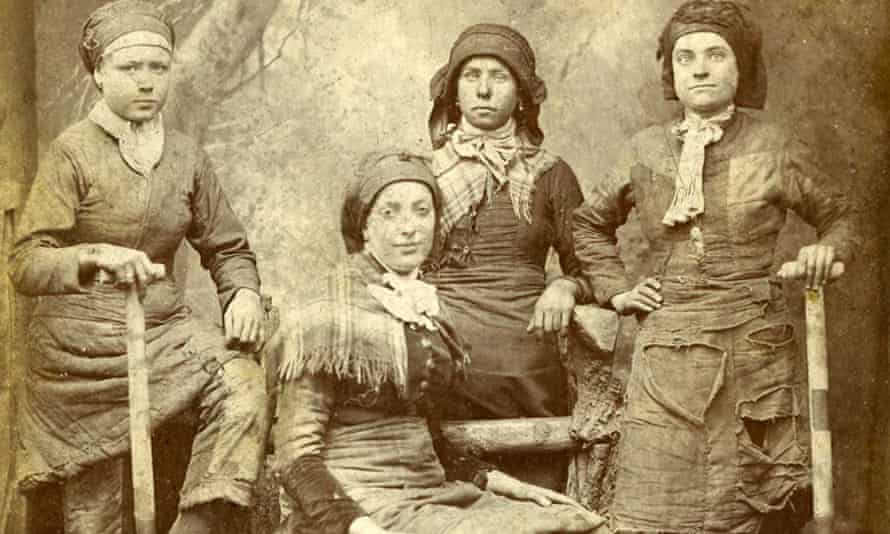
{"x": 594, "y": 228}
{"x": 220, "y": 238}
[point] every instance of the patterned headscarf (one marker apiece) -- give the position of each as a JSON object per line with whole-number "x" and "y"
{"x": 117, "y": 19}
{"x": 376, "y": 171}
{"x": 510, "y": 47}
{"x": 730, "y": 21}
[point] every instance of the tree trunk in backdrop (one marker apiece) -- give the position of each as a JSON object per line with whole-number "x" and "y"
{"x": 205, "y": 61}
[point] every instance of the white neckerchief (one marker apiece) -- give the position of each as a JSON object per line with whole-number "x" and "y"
{"x": 405, "y": 296}
{"x": 141, "y": 144}
{"x": 696, "y": 133}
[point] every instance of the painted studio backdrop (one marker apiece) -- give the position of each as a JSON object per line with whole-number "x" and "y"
{"x": 286, "y": 94}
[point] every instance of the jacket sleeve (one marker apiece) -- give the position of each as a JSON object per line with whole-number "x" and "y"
{"x": 43, "y": 262}
{"x": 305, "y": 406}
{"x": 595, "y": 224}
{"x": 220, "y": 239}
{"x": 565, "y": 196}
{"x": 812, "y": 195}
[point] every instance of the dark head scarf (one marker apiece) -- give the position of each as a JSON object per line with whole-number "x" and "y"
{"x": 510, "y": 47}
{"x": 729, "y": 20}
{"x": 376, "y": 171}
{"x": 116, "y": 19}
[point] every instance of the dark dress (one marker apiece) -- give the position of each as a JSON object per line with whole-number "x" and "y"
{"x": 490, "y": 273}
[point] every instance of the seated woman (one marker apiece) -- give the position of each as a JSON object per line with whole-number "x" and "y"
{"x": 357, "y": 447}
{"x": 114, "y": 196}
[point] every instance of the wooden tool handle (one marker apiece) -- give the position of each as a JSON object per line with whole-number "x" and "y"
{"x": 820, "y": 433}
{"x": 140, "y": 416}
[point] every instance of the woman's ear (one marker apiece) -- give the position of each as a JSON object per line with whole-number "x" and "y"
{"x": 98, "y": 77}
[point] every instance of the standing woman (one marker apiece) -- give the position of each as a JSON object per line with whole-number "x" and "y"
{"x": 507, "y": 201}
{"x": 710, "y": 437}
{"x": 114, "y": 196}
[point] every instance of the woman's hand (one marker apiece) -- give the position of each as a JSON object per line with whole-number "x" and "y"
{"x": 243, "y": 320}
{"x": 366, "y": 525}
{"x": 816, "y": 261}
{"x": 644, "y": 297}
{"x": 503, "y": 484}
{"x": 553, "y": 310}
{"x": 127, "y": 266}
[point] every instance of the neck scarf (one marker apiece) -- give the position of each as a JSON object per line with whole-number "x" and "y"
{"x": 354, "y": 327}
{"x": 491, "y": 160}
{"x": 696, "y": 133}
{"x": 405, "y": 296}
{"x": 141, "y": 144}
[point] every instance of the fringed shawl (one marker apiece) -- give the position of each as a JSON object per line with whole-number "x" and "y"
{"x": 345, "y": 332}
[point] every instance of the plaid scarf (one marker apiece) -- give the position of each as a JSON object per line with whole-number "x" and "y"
{"x": 475, "y": 164}
{"x": 696, "y": 133}
{"x": 354, "y": 327}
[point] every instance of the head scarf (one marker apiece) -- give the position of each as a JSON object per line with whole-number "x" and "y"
{"x": 376, "y": 171}
{"x": 510, "y": 47}
{"x": 116, "y": 20}
{"x": 730, "y": 21}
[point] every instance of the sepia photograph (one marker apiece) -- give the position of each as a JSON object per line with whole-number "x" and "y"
{"x": 445, "y": 266}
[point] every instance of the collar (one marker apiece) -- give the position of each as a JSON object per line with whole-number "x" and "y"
{"x": 141, "y": 144}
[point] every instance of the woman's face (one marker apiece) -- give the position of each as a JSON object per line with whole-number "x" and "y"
{"x": 134, "y": 81}
{"x": 401, "y": 225}
{"x": 487, "y": 92}
{"x": 706, "y": 75}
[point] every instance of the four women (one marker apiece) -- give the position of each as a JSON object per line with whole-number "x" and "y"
{"x": 441, "y": 252}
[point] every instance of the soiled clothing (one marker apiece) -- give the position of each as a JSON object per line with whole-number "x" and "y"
{"x": 490, "y": 273}
{"x": 710, "y": 437}
{"x": 226, "y": 455}
{"x": 350, "y": 444}
{"x": 75, "y": 413}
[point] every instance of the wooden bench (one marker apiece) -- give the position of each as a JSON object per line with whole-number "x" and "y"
{"x": 590, "y": 434}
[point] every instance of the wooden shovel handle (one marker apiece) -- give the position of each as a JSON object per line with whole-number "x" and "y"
{"x": 820, "y": 432}
{"x": 140, "y": 416}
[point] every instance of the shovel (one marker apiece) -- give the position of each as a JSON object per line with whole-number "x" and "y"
{"x": 138, "y": 369}
{"x": 817, "y": 374}
{"x": 140, "y": 416}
